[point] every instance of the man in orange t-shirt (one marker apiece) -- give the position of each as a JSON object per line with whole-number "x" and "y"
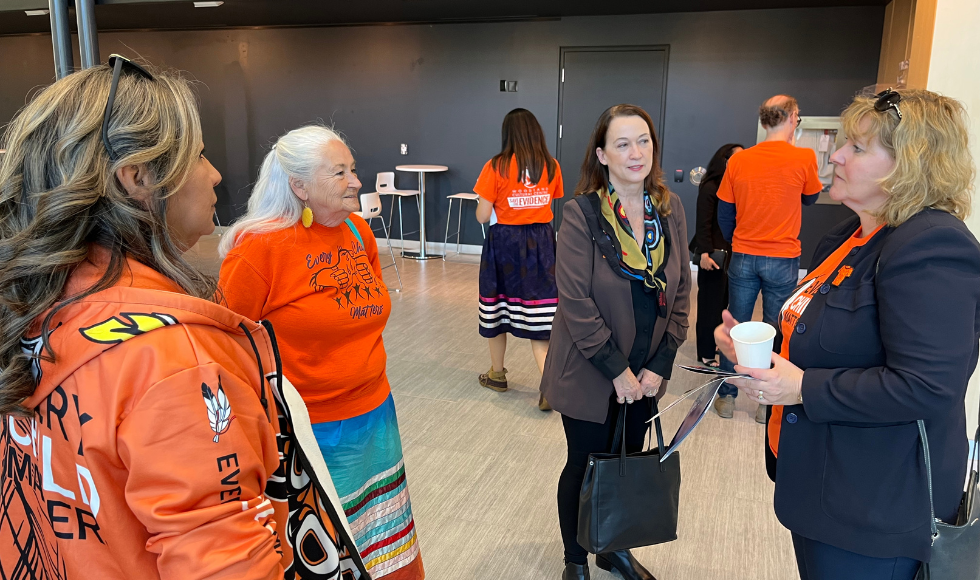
{"x": 760, "y": 203}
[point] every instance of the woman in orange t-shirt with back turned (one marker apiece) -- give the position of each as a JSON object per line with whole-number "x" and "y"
{"x": 518, "y": 294}
{"x": 299, "y": 259}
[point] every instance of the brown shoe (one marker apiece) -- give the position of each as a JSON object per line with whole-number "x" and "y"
{"x": 543, "y": 403}
{"x": 494, "y": 381}
{"x": 725, "y": 406}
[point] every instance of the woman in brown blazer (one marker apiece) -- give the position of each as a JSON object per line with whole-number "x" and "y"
{"x": 623, "y": 284}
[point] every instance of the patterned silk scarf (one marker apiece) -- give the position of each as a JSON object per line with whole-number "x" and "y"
{"x": 646, "y": 263}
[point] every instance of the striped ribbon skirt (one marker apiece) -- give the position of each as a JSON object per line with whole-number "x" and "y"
{"x": 364, "y": 456}
{"x": 518, "y": 294}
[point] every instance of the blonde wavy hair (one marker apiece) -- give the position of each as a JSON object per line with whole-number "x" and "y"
{"x": 930, "y": 145}
{"x": 59, "y": 195}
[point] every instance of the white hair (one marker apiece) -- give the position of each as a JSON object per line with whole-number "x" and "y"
{"x": 273, "y": 206}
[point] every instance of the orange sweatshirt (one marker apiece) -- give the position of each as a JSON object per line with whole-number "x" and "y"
{"x": 153, "y": 449}
{"x": 322, "y": 290}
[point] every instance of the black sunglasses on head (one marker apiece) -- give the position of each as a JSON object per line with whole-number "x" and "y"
{"x": 888, "y": 99}
{"x": 118, "y": 63}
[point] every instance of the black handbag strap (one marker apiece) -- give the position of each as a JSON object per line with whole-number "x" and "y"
{"x": 619, "y": 439}
{"x": 974, "y": 463}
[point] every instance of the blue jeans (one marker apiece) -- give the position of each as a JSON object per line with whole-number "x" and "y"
{"x": 747, "y": 275}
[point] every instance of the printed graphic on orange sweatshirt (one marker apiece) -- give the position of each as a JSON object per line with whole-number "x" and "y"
{"x": 349, "y": 281}
{"x": 219, "y": 409}
{"x": 531, "y": 196}
{"x": 116, "y": 329}
{"x": 48, "y": 492}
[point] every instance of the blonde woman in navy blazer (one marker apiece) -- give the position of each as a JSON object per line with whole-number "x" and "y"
{"x": 889, "y": 338}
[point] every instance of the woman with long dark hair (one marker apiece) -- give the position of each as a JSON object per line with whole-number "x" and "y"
{"x": 518, "y": 294}
{"x": 712, "y": 275}
{"x": 624, "y": 283}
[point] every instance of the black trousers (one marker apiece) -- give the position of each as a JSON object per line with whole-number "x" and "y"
{"x": 583, "y": 438}
{"x": 712, "y": 299}
{"x": 819, "y": 561}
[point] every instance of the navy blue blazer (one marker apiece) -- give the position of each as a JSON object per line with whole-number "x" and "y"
{"x": 895, "y": 342}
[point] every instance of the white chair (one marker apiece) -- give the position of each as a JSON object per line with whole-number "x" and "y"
{"x": 385, "y": 185}
{"x": 370, "y": 209}
{"x": 459, "y": 219}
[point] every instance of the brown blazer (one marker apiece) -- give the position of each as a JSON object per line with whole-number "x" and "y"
{"x": 595, "y": 303}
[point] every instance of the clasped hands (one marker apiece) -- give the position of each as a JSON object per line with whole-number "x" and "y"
{"x": 780, "y": 385}
{"x": 630, "y": 387}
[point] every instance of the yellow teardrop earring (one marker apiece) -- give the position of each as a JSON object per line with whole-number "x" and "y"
{"x": 307, "y": 216}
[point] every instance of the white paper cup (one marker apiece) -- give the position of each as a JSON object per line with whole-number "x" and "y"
{"x": 753, "y": 344}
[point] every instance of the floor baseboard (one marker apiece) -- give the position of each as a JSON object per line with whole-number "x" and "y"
{"x": 435, "y": 247}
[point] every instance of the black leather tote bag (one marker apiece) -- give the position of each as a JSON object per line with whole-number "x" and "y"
{"x": 955, "y": 548}
{"x": 628, "y": 501}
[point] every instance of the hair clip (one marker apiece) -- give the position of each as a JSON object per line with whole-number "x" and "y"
{"x": 888, "y": 99}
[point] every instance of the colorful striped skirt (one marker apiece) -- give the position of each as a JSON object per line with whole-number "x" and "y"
{"x": 518, "y": 294}
{"x": 364, "y": 456}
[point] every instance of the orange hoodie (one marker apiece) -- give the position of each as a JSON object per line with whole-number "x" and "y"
{"x": 158, "y": 449}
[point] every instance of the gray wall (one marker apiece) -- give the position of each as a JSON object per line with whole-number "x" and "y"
{"x": 437, "y": 87}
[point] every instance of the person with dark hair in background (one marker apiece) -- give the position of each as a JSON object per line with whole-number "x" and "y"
{"x": 518, "y": 294}
{"x": 624, "y": 284}
{"x": 708, "y": 240}
{"x": 760, "y": 203}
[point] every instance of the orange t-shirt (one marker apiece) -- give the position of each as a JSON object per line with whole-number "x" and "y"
{"x": 766, "y": 182}
{"x": 516, "y": 200}
{"x": 322, "y": 290}
{"x": 826, "y": 272}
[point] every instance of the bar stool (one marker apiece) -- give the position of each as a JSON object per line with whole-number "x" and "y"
{"x": 459, "y": 219}
{"x": 370, "y": 209}
{"x": 385, "y": 185}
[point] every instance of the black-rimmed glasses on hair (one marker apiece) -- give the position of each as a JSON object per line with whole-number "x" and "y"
{"x": 888, "y": 99}
{"x": 118, "y": 63}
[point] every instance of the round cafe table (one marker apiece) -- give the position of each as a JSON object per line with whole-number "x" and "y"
{"x": 422, "y": 254}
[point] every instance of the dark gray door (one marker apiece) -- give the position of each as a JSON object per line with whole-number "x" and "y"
{"x": 594, "y": 79}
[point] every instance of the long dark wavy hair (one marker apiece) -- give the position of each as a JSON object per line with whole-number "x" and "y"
{"x": 718, "y": 163}
{"x": 522, "y": 137}
{"x": 595, "y": 175}
{"x": 59, "y": 196}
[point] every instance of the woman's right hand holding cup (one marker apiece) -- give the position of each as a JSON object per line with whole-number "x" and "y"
{"x": 723, "y": 335}
{"x": 627, "y": 387}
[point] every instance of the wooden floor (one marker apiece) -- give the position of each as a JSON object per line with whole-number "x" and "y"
{"x": 483, "y": 466}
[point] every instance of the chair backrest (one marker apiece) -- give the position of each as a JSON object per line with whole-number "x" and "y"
{"x": 386, "y": 181}
{"x": 370, "y": 205}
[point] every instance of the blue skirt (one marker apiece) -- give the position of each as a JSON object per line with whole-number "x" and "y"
{"x": 518, "y": 293}
{"x": 364, "y": 456}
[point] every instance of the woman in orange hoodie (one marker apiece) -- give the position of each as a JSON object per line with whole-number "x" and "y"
{"x": 146, "y": 431}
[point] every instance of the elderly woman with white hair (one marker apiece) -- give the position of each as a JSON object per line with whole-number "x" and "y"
{"x": 301, "y": 260}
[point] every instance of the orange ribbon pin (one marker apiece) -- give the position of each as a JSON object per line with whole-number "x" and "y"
{"x": 842, "y": 275}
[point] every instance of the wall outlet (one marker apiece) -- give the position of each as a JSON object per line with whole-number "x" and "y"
{"x": 404, "y": 149}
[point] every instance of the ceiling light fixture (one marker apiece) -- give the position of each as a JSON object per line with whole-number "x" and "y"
{"x": 36, "y": 12}
{"x": 207, "y": 4}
